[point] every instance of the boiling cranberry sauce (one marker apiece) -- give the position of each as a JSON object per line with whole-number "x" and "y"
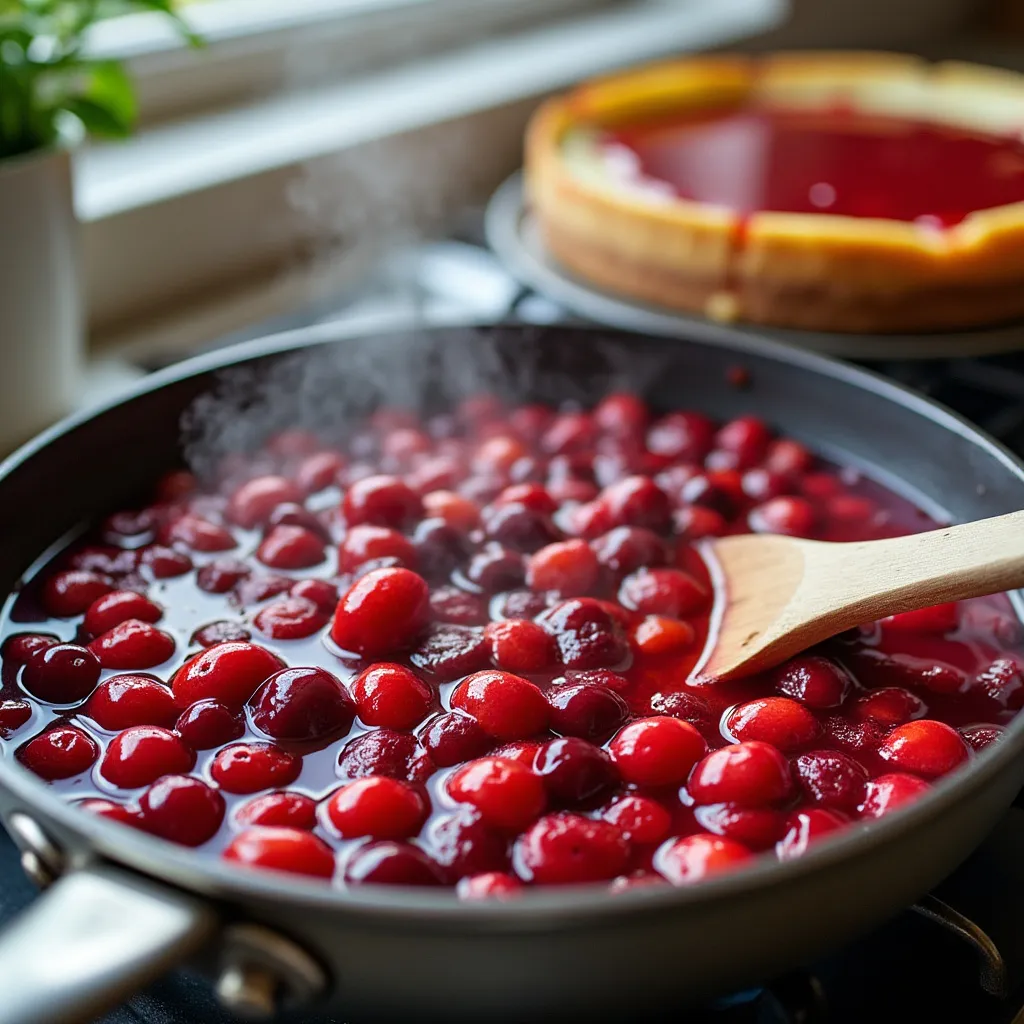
{"x": 456, "y": 653}
{"x": 837, "y": 161}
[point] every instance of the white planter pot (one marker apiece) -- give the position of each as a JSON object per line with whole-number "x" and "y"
{"x": 41, "y": 321}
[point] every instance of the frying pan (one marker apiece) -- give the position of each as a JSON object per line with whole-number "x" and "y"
{"x": 124, "y": 906}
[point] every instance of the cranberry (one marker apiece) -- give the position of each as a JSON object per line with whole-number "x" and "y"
{"x": 323, "y": 594}
{"x": 396, "y": 755}
{"x": 890, "y": 706}
{"x": 940, "y": 618}
{"x": 391, "y": 863}
{"x": 228, "y": 672}
{"x": 757, "y": 828}
{"x": 119, "y": 605}
{"x": 392, "y": 696}
{"x": 70, "y": 593}
{"x": 574, "y": 771}
{"x": 451, "y": 738}
{"x": 496, "y": 568}
{"x": 621, "y": 414}
{"x": 794, "y": 517}
{"x": 806, "y": 828}
{"x": 762, "y": 484}
{"x": 587, "y": 710}
{"x": 694, "y": 858}
{"x": 858, "y": 737}
{"x": 977, "y": 737}
{"x": 197, "y": 533}
{"x": 490, "y": 885}
{"x": 569, "y": 568}
{"x": 518, "y": 645}
{"x": 776, "y": 720}
{"x": 888, "y": 792}
{"x": 448, "y": 652}
{"x": 458, "y": 512}
{"x": 747, "y": 436}
{"x": 534, "y": 496}
{"x": 520, "y": 604}
{"x": 301, "y": 704}
{"x": 129, "y": 527}
{"x": 292, "y": 514}
{"x": 637, "y": 501}
{"x": 133, "y": 645}
{"x": 17, "y": 649}
{"x": 568, "y": 432}
{"x": 381, "y": 613}
{"x": 657, "y": 751}
{"x": 520, "y": 528}
{"x": 250, "y": 767}
{"x": 13, "y": 715}
{"x": 695, "y": 523}
{"x": 164, "y": 563}
{"x": 208, "y": 723}
{"x": 687, "y": 707}
{"x": 381, "y": 501}
{"x": 505, "y": 706}
{"x": 815, "y": 681}
{"x": 123, "y": 701}
{"x": 318, "y": 471}
{"x": 1003, "y": 681}
{"x": 175, "y": 485}
{"x": 506, "y": 793}
{"x": 279, "y": 810}
{"x": 586, "y": 634}
{"x": 750, "y": 774}
{"x": 831, "y": 779}
{"x": 590, "y": 520}
{"x": 182, "y": 809}
{"x": 628, "y": 548}
{"x": 523, "y": 751}
{"x": 657, "y": 635}
{"x": 366, "y": 543}
{"x": 669, "y": 592}
{"x": 681, "y": 435}
{"x": 142, "y": 753}
{"x": 378, "y": 807}
{"x": 925, "y": 747}
{"x": 112, "y": 811}
{"x": 290, "y": 619}
{"x": 282, "y": 849}
{"x": 252, "y": 503}
{"x": 59, "y": 753}
{"x": 259, "y": 587}
{"x": 640, "y": 819}
{"x": 567, "y": 848}
{"x": 61, "y": 673}
{"x": 497, "y": 455}
{"x": 221, "y": 575}
{"x": 788, "y": 457}
{"x": 291, "y": 547}
{"x": 464, "y": 845}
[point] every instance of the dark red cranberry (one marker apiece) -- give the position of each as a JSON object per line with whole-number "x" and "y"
{"x": 831, "y": 779}
{"x": 323, "y": 594}
{"x": 695, "y": 523}
{"x": 229, "y": 672}
{"x": 520, "y": 604}
{"x": 657, "y": 751}
{"x": 1002, "y": 680}
{"x": 856, "y": 737}
{"x": 977, "y": 737}
{"x": 507, "y": 707}
{"x": 574, "y": 771}
{"x": 13, "y": 715}
{"x": 116, "y": 607}
{"x": 706, "y": 492}
{"x": 104, "y": 560}
{"x": 219, "y": 632}
{"x": 621, "y": 414}
{"x": 747, "y": 436}
{"x": 381, "y": 501}
{"x": 221, "y": 575}
{"x": 688, "y": 707}
{"x": 208, "y": 724}
{"x": 70, "y": 593}
{"x": 496, "y": 568}
{"x": 291, "y": 547}
{"x": 450, "y": 604}
{"x": 290, "y": 619}
{"x": 133, "y": 645}
{"x": 250, "y": 767}
{"x": 637, "y": 501}
{"x": 520, "y": 528}
{"x": 293, "y": 514}
{"x": 563, "y": 848}
{"x": 302, "y": 704}
{"x": 130, "y": 527}
{"x": 889, "y": 706}
{"x": 318, "y": 471}
{"x": 569, "y": 432}
{"x": 381, "y": 613}
{"x": 534, "y": 496}
{"x": 396, "y": 755}
{"x": 282, "y": 849}
{"x": 390, "y": 863}
{"x": 451, "y": 738}
{"x": 757, "y": 828}
{"x": 670, "y": 592}
{"x": 377, "y": 807}
{"x": 506, "y": 793}
{"x": 279, "y": 810}
{"x": 123, "y": 701}
{"x": 464, "y": 845}
{"x": 590, "y": 711}
{"x": 175, "y": 485}
{"x": 164, "y": 562}
{"x": 182, "y": 809}
{"x": 586, "y": 634}
{"x": 259, "y": 587}
{"x": 61, "y": 673}
{"x": 681, "y": 435}
{"x": 815, "y": 681}
{"x": 17, "y": 649}
{"x": 141, "y": 754}
{"x": 197, "y": 533}
{"x": 59, "y": 753}
{"x": 628, "y": 548}
{"x": 449, "y": 652}
{"x": 439, "y": 548}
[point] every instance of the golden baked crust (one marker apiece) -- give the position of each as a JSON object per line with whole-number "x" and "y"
{"x": 814, "y": 271}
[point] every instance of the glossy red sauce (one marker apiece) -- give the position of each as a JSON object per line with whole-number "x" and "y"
{"x": 837, "y": 162}
{"x": 531, "y": 578}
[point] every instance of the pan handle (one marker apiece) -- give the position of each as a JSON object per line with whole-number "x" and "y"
{"x": 90, "y": 941}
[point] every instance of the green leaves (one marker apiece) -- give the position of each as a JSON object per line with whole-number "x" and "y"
{"x": 44, "y": 76}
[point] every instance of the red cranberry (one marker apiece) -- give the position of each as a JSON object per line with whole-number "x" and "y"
{"x": 129, "y": 526}
{"x": 59, "y": 753}
{"x": 282, "y": 849}
{"x": 112, "y": 811}
{"x": 888, "y": 792}
{"x": 750, "y": 774}
{"x": 390, "y": 863}
{"x": 260, "y": 587}
{"x": 250, "y": 767}
{"x": 776, "y": 720}
{"x": 695, "y": 523}
{"x": 381, "y": 501}
{"x": 815, "y": 681}
{"x": 70, "y": 593}
{"x": 569, "y": 568}
{"x": 367, "y": 543}
{"x": 182, "y": 809}
{"x": 518, "y": 645}
{"x": 587, "y": 710}
{"x": 926, "y": 747}
{"x": 208, "y": 724}
{"x": 221, "y": 575}
{"x": 323, "y": 594}
{"x": 747, "y": 436}
{"x": 831, "y": 779}
{"x": 657, "y": 751}
{"x": 392, "y": 696}
{"x": 621, "y": 414}
{"x": 890, "y": 706}
{"x": 694, "y": 858}
{"x": 788, "y": 457}
{"x": 252, "y": 503}
{"x": 757, "y": 828}
{"x": 496, "y": 568}
{"x": 291, "y": 547}
{"x": 505, "y": 706}
{"x": 637, "y": 501}
{"x": 586, "y": 634}
{"x": 794, "y": 517}
{"x": 977, "y": 737}
{"x": 590, "y": 520}
{"x": 301, "y": 704}
{"x": 279, "y": 810}
{"x": 669, "y": 592}
{"x": 451, "y": 738}
{"x": 574, "y": 771}
{"x": 220, "y": 632}
{"x": 396, "y": 755}
{"x": 464, "y": 845}
{"x": 175, "y": 485}
{"x": 762, "y": 484}
{"x": 657, "y": 635}
{"x": 17, "y": 649}
{"x": 534, "y": 496}
{"x": 448, "y": 652}
{"x": 318, "y": 471}
{"x": 13, "y": 715}
{"x": 1003, "y": 681}
{"x": 497, "y": 455}
{"x": 290, "y": 619}
{"x": 568, "y": 432}
{"x": 506, "y": 794}
{"x": 381, "y": 613}
{"x": 806, "y": 828}
{"x": 61, "y": 673}
{"x": 292, "y": 514}
{"x": 564, "y": 848}
{"x": 681, "y": 435}
{"x": 114, "y": 608}
{"x": 687, "y": 707}
{"x": 458, "y": 512}
{"x": 628, "y": 548}
{"x": 133, "y": 645}
{"x": 197, "y": 533}
{"x": 164, "y": 563}
{"x": 520, "y": 604}
{"x": 123, "y": 701}
{"x": 378, "y": 807}
{"x": 857, "y": 737}
{"x": 940, "y": 618}
{"x": 142, "y": 753}
{"x": 640, "y": 819}
{"x": 490, "y": 885}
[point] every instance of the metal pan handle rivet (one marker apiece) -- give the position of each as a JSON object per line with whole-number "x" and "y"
{"x": 41, "y": 858}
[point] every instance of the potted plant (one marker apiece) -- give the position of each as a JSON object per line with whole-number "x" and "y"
{"x": 52, "y": 94}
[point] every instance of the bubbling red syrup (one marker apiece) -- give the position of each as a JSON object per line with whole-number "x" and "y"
{"x": 455, "y": 652}
{"x": 834, "y": 162}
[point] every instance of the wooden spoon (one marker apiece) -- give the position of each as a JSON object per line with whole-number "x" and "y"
{"x": 782, "y": 595}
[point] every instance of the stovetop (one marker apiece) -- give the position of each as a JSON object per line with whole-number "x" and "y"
{"x": 957, "y": 957}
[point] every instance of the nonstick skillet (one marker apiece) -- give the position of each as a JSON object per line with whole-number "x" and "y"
{"x": 123, "y": 907}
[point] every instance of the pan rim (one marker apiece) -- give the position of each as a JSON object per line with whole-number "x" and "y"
{"x": 563, "y": 907}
